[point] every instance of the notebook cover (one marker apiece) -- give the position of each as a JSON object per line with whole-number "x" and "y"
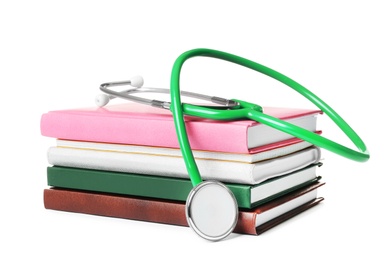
{"x": 284, "y": 217}
{"x": 247, "y": 218}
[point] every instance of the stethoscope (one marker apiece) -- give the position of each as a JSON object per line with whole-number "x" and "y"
{"x": 211, "y": 208}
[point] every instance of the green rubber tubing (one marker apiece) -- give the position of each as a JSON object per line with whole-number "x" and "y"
{"x": 254, "y": 112}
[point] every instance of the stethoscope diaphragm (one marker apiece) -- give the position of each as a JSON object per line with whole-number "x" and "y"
{"x": 212, "y": 210}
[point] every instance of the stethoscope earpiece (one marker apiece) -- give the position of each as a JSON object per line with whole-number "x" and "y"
{"x": 137, "y": 81}
{"x": 102, "y": 100}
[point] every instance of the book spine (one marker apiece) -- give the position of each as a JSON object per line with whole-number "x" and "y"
{"x": 170, "y": 166}
{"x": 158, "y": 211}
{"x": 132, "y": 184}
{"x": 174, "y": 166}
{"x": 210, "y": 136}
{"x": 108, "y": 205}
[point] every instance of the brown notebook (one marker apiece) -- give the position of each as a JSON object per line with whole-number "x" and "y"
{"x": 172, "y": 212}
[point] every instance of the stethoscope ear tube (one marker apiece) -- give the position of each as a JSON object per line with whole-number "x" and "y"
{"x": 196, "y": 208}
{"x": 176, "y": 108}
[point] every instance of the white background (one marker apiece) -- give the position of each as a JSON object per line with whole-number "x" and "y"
{"x": 54, "y": 55}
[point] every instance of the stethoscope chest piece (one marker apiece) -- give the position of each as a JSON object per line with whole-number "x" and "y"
{"x": 211, "y": 210}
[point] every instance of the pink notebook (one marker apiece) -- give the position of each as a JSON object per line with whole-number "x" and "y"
{"x": 137, "y": 124}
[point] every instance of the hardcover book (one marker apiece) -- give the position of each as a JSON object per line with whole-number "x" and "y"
{"x": 254, "y": 221}
{"x": 247, "y": 196}
{"x": 174, "y": 166}
{"x": 132, "y": 123}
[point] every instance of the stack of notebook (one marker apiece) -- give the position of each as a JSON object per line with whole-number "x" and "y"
{"x": 123, "y": 161}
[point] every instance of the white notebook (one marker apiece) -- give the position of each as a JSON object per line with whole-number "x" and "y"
{"x": 174, "y": 166}
{"x": 272, "y": 152}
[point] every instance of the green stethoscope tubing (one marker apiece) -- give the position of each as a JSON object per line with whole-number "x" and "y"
{"x": 254, "y": 112}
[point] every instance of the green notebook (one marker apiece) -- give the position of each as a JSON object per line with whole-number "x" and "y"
{"x": 247, "y": 196}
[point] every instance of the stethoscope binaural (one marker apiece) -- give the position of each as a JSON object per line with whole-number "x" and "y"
{"x": 211, "y": 208}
